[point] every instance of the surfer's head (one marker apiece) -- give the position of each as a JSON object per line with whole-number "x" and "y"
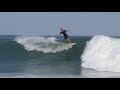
{"x": 61, "y": 29}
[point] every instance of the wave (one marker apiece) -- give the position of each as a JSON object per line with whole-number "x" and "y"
{"x": 44, "y": 44}
{"x": 102, "y": 53}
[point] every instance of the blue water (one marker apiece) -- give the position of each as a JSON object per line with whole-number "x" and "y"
{"x": 49, "y": 57}
{"x": 16, "y": 61}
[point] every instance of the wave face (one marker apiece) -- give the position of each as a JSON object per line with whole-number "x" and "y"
{"x": 38, "y": 56}
{"x": 102, "y": 53}
{"x": 46, "y": 45}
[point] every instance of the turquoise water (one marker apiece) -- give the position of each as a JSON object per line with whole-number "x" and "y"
{"x": 50, "y": 57}
{"x": 16, "y": 61}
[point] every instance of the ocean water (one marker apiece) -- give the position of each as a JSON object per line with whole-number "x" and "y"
{"x": 38, "y": 56}
{"x": 50, "y": 57}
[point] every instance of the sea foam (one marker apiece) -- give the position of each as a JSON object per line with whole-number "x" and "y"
{"x": 46, "y": 45}
{"x": 102, "y": 53}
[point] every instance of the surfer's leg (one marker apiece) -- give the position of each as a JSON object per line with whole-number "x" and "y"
{"x": 68, "y": 40}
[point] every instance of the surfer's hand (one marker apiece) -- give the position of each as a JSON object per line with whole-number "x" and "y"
{"x": 67, "y": 30}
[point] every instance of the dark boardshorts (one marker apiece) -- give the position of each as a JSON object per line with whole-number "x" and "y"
{"x": 66, "y": 36}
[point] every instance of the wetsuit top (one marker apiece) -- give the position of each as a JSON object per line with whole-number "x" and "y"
{"x": 64, "y": 33}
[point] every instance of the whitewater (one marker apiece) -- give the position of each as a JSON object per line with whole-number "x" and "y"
{"x": 43, "y": 44}
{"x": 102, "y": 53}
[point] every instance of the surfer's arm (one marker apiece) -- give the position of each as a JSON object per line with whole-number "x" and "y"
{"x": 67, "y": 30}
{"x": 59, "y": 33}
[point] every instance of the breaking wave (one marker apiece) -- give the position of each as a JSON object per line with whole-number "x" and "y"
{"x": 102, "y": 53}
{"x": 46, "y": 45}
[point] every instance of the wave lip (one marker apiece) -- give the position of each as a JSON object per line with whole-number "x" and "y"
{"x": 102, "y": 53}
{"x": 46, "y": 45}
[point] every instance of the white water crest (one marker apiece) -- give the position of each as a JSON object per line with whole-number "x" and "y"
{"x": 46, "y": 45}
{"x": 102, "y": 53}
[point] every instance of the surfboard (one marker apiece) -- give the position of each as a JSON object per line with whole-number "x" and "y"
{"x": 72, "y": 44}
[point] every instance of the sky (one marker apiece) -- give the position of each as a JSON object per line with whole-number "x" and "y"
{"x": 49, "y": 23}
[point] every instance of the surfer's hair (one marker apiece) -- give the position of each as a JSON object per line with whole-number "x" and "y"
{"x": 61, "y": 28}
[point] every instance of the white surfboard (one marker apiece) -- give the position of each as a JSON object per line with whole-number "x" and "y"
{"x": 71, "y": 44}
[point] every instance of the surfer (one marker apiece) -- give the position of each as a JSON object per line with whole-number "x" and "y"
{"x": 65, "y": 35}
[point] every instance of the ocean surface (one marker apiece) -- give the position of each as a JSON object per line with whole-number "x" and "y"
{"x": 50, "y": 57}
